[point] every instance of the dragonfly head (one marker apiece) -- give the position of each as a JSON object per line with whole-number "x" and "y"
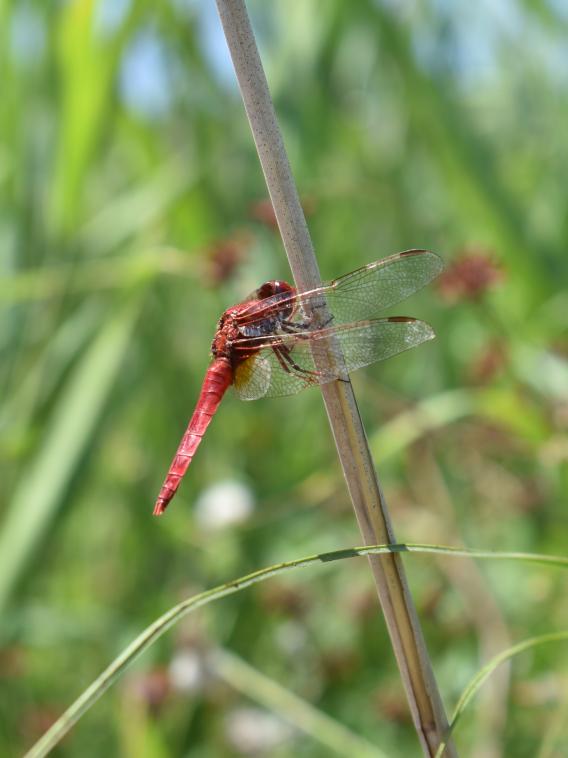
{"x": 274, "y": 287}
{"x": 277, "y": 290}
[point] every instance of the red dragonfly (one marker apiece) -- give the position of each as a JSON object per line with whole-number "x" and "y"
{"x": 279, "y": 341}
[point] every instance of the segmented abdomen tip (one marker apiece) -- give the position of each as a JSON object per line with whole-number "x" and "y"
{"x": 160, "y": 507}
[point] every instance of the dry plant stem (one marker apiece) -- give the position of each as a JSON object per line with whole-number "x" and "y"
{"x": 368, "y": 501}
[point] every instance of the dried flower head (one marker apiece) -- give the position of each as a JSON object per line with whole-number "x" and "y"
{"x": 224, "y": 256}
{"x": 469, "y": 276}
{"x": 489, "y": 362}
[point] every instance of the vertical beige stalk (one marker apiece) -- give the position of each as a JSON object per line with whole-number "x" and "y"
{"x": 368, "y": 500}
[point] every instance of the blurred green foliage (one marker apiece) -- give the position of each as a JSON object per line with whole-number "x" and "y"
{"x": 132, "y": 214}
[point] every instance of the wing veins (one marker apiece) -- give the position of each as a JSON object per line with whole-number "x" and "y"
{"x": 356, "y": 288}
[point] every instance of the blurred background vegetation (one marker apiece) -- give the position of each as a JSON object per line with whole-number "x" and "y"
{"x": 132, "y": 213}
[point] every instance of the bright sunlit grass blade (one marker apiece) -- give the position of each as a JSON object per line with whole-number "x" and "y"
{"x": 87, "y": 64}
{"x": 426, "y": 416}
{"x": 34, "y": 386}
{"x": 133, "y": 213}
{"x": 298, "y": 712}
{"x": 502, "y": 407}
{"x": 484, "y": 673}
{"x": 117, "y": 272}
{"x": 463, "y": 155}
{"x": 153, "y": 632}
{"x": 126, "y": 163}
{"x": 39, "y": 495}
{"x": 554, "y": 736}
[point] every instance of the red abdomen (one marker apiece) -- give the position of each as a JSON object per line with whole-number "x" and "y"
{"x": 218, "y": 378}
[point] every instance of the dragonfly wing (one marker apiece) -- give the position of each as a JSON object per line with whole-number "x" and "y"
{"x": 362, "y": 294}
{"x": 262, "y": 375}
{"x": 368, "y": 291}
{"x": 288, "y": 364}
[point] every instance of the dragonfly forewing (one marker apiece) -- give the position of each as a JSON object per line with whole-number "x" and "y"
{"x": 363, "y": 294}
{"x": 370, "y": 290}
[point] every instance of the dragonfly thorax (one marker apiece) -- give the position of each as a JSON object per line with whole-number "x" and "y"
{"x": 263, "y": 328}
{"x": 226, "y": 333}
{"x": 277, "y": 292}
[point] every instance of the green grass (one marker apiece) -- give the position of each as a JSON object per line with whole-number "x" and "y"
{"x": 429, "y": 128}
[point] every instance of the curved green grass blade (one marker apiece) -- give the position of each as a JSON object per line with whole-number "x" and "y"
{"x": 123, "y": 272}
{"x": 89, "y": 697}
{"x": 35, "y": 502}
{"x": 244, "y": 678}
{"x": 87, "y": 64}
{"x": 437, "y": 411}
{"x": 485, "y": 672}
{"x": 464, "y": 155}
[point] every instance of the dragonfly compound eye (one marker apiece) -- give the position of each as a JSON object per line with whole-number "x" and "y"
{"x": 274, "y": 287}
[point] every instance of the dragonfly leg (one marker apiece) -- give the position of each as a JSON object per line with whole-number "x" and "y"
{"x": 294, "y": 326}
{"x": 321, "y": 324}
{"x": 286, "y": 355}
{"x": 325, "y": 323}
{"x": 298, "y": 326}
{"x": 288, "y": 363}
{"x": 281, "y": 360}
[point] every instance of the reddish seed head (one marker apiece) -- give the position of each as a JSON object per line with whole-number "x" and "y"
{"x": 263, "y": 211}
{"x": 152, "y": 688}
{"x": 469, "y": 276}
{"x": 224, "y": 256}
{"x": 487, "y": 364}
